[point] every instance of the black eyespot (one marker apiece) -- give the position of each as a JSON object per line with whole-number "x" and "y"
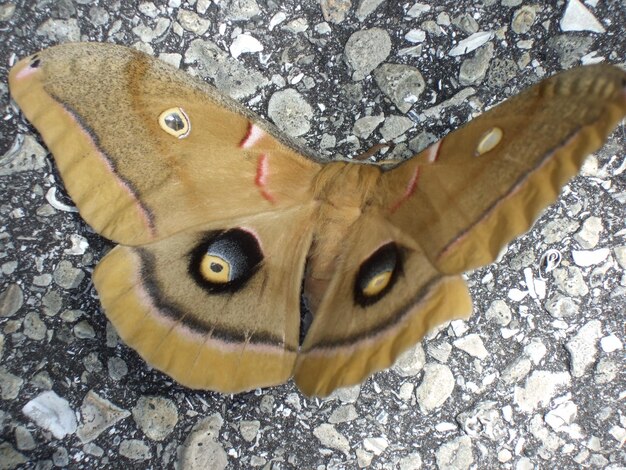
{"x": 377, "y": 275}
{"x": 225, "y": 261}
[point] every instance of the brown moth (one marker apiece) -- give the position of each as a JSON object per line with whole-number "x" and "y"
{"x": 222, "y": 221}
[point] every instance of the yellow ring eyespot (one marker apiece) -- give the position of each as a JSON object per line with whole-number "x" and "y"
{"x": 377, "y": 284}
{"x": 489, "y": 140}
{"x": 225, "y": 260}
{"x": 175, "y": 122}
{"x": 215, "y": 269}
{"x": 377, "y": 275}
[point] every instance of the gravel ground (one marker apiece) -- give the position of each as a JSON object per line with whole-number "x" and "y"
{"x": 535, "y": 379}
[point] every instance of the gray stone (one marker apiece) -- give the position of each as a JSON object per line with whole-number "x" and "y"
{"x": 466, "y": 23}
{"x": 523, "y": 19}
{"x": 540, "y": 387}
{"x": 25, "y": 155}
{"x": 440, "y": 351}
{"x": 148, "y": 34}
{"x": 473, "y": 345}
{"x": 191, "y": 21}
{"x": 10, "y": 458}
{"x": 11, "y": 300}
{"x": 34, "y": 328}
{"x": 117, "y": 368}
{"x": 249, "y": 429}
{"x": 299, "y": 25}
{"x": 98, "y": 15}
{"x": 365, "y": 50}
{"x": 436, "y": 387}
{"x": 484, "y": 420}
{"x": 331, "y": 438}
{"x": 560, "y": 306}
{"x": 156, "y": 416}
{"x": 620, "y": 256}
{"x": 83, "y": 330}
{"x": 42, "y": 280}
{"x": 60, "y": 30}
{"x": 455, "y": 454}
{"x": 92, "y": 363}
{"x": 67, "y": 276}
{"x": 347, "y": 394}
{"x": 395, "y": 126}
{"x": 201, "y": 449}
{"x": 24, "y": 439}
{"x": 499, "y": 312}
{"x": 516, "y": 370}
{"x": 364, "y": 126}
{"x": 589, "y": 234}
{"x": 52, "y": 303}
{"x": 558, "y": 229}
{"x": 582, "y": 348}
{"x": 411, "y": 462}
{"x": 578, "y": 18}
{"x": 403, "y": 84}
{"x": 98, "y": 414}
{"x": 411, "y": 362}
{"x": 240, "y": 10}
{"x": 42, "y": 380}
{"x": 501, "y": 71}
{"x": 290, "y": 112}
{"x": 422, "y": 141}
{"x": 10, "y": 384}
{"x": 228, "y": 75}
{"x": 6, "y": 11}
{"x": 474, "y": 70}
{"x": 343, "y": 414}
{"x": 570, "y": 281}
{"x": 335, "y": 11}
{"x": 52, "y": 413}
{"x": 570, "y": 48}
{"x": 367, "y": 7}
{"x": 134, "y": 449}
{"x": 61, "y": 457}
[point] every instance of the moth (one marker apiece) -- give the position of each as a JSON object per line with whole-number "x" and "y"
{"x": 223, "y": 223}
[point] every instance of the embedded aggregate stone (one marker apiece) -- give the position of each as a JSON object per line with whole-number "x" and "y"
{"x": 411, "y": 362}
{"x": 365, "y": 50}
{"x": 456, "y": 454}
{"x": 395, "y": 126}
{"x": 290, "y": 112}
{"x": 28, "y": 156}
{"x": 582, "y": 347}
{"x": 403, "y": 84}
{"x": 156, "y": 416}
{"x": 436, "y": 387}
{"x": 343, "y": 414}
{"x": 67, "y": 276}
{"x": 11, "y": 300}
{"x": 98, "y": 414}
{"x": 135, "y": 449}
{"x": 540, "y": 387}
{"x": 52, "y": 413}
{"x": 201, "y": 449}
{"x": 10, "y": 384}
{"x": 364, "y": 126}
{"x": 330, "y": 437}
{"x": 249, "y": 429}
